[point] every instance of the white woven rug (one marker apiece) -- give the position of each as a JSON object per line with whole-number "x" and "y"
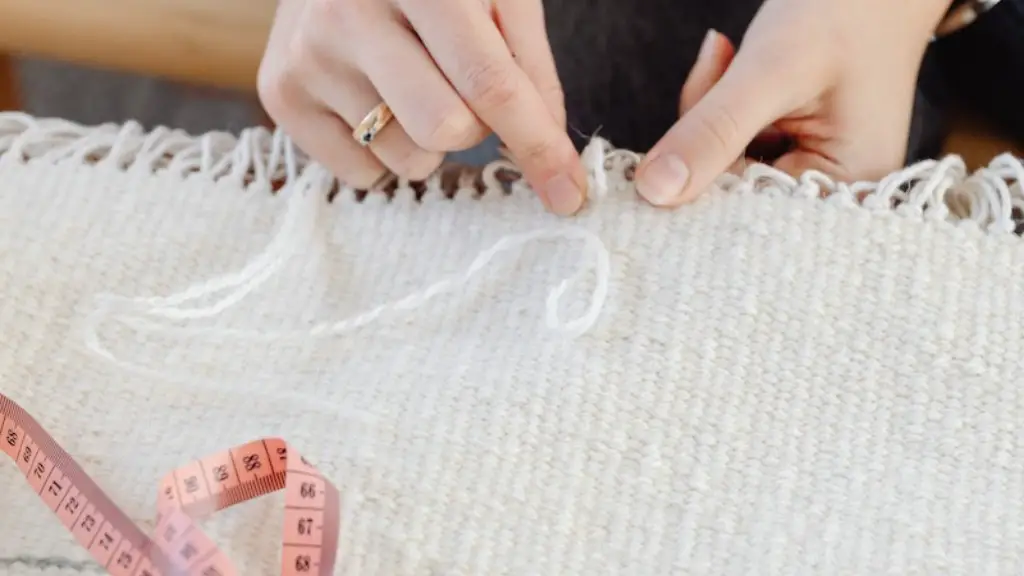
{"x": 765, "y": 382}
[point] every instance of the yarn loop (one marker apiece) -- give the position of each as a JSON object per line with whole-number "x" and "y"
{"x": 295, "y": 234}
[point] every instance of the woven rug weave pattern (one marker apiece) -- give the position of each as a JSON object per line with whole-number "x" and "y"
{"x": 787, "y": 377}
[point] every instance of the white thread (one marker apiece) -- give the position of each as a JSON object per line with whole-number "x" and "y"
{"x": 294, "y": 235}
{"x": 166, "y": 311}
{"x": 593, "y": 157}
{"x": 572, "y": 328}
{"x": 616, "y": 448}
{"x": 937, "y": 190}
{"x": 296, "y": 231}
{"x": 256, "y": 158}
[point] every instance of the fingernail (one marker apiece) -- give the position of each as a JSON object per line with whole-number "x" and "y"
{"x": 563, "y": 195}
{"x": 709, "y": 45}
{"x": 663, "y": 180}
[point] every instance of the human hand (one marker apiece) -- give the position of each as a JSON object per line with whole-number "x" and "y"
{"x": 451, "y": 71}
{"x": 837, "y": 77}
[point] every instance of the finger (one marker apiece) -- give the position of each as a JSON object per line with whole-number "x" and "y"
{"x": 352, "y": 96}
{"x": 465, "y": 43}
{"x": 739, "y": 166}
{"x": 713, "y": 59}
{"x": 521, "y": 22}
{"x": 327, "y": 138}
{"x": 428, "y": 108}
{"x": 317, "y": 131}
{"x": 712, "y": 135}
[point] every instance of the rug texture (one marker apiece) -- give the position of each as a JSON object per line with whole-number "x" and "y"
{"x": 786, "y": 377}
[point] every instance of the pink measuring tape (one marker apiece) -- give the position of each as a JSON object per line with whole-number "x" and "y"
{"x": 178, "y": 546}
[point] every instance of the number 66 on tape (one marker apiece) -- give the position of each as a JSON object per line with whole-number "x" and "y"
{"x": 178, "y": 546}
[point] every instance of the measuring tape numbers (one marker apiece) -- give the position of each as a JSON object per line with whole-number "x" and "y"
{"x": 178, "y": 547}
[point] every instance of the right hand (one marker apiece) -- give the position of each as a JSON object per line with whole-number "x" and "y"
{"x": 452, "y": 71}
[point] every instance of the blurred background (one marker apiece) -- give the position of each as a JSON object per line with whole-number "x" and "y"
{"x": 192, "y": 64}
{"x": 88, "y": 95}
{"x": 188, "y": 64}
{"x": 92, "y": 96}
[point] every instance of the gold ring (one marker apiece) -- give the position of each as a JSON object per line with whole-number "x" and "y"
{"x": 372, "y": 124}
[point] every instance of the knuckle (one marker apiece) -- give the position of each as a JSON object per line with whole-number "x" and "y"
{"x": 360, "y": 175}
{"x": 361, "y": 179}
{"x": 326, "y": 33}
{"x": 448, "y": 132}
{"x": 720, "y": 127}
{"x": 556, "y": 95}
{"x": 490, "y": 84}
{"x": 417, "y": 164}
{"x": 329, "y": 10}
{"x": 472, "y": 138}
{"x": 275, "y": 92}
{"x": 339, "y": 21}
{"x": 304, "y": 56}
{"x": 276, "y": 87}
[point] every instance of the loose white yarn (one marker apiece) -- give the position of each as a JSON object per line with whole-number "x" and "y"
{"x": 789, "y": 376}
{"x": 293, "y": 237}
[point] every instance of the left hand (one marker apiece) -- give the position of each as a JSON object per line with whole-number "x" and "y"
{"x": 837, "y": 77}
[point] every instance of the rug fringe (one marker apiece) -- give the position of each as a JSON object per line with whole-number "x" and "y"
{"x": 942, "y": 189}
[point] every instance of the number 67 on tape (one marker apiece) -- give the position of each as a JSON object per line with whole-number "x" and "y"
{"x": 178, "y": 546}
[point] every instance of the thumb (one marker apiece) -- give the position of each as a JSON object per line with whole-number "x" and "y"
{"x": 711, "y": 135}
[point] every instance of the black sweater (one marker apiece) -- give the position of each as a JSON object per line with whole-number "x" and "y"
{"x": 623, "y": 63}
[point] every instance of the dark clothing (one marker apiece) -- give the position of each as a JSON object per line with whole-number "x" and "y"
{"x": 983, "y": 66}
{"x": 622, "y": 65}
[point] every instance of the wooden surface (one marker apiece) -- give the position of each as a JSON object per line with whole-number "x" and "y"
{"x": 9, "y": 99}
{"x": 208, "y": 42}
{"x": 218, "y": 43}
